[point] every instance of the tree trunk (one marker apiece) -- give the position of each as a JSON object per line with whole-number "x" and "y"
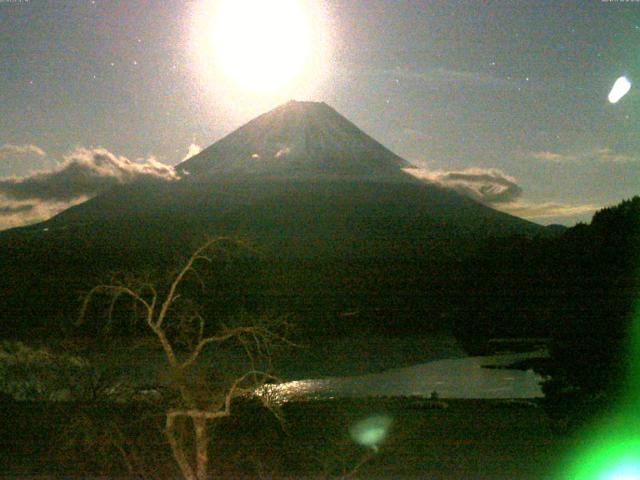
{"x": 178, "y": 452}
{"x": 202, "y": 447}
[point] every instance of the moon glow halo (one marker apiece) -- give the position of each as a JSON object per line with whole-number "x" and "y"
{"x": 260, "y": 46}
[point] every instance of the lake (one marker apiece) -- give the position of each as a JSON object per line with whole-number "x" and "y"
{"x": 466, "y": 377}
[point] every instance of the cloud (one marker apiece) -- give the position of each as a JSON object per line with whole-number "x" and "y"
{"x": 597, "y": 154}
{"x": 283, "y": 152}
{"x": 20, "y": 213}
{"x": 500, "y": 191}
{"x": 11, "y": 150}
{"x": 439, "y": 77}
{"x": 607, "y": 155}
{"x": 11, "y": 209}
{"x": 470, "y": 78}
{"x": 193, "y": 150}
{"x": 83, "y": 174}
{"x": 547, "y": 209}
{"x": 490, "y": 186}
{"x": 22, "y": 159}
{"x": 547, "y": 156}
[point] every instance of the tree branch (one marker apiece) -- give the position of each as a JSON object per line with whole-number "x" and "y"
{"x": 116, "y": 291}
{"x": 230, "y": 333}
{"x": 171, "y": 296}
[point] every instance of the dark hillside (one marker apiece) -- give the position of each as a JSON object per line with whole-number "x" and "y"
{"x": 362, "y": 242}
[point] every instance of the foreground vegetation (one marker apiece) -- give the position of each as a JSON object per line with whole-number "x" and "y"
{"x": 578, "y": 289}
{"x": 451, "y": 439}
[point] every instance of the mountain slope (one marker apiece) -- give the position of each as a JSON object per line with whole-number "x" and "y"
{"x": 297, "y": 218}
{"x": 298, "y": 140}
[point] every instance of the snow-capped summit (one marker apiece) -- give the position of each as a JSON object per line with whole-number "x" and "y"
{"x": 297, "y": 140}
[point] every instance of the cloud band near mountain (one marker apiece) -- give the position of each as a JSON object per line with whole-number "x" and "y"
{"x": 488, "y": 186}
{"x": 9, "y": 150}
{"x": 495, "y": 188}
{"x": 83, "y": 174}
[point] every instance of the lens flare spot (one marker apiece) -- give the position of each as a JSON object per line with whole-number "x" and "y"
{"x": 607, "y": 456}
{"x": 371, "y": 431}
{"x": 624, "y": 471}
{"x": 620, "y": 88}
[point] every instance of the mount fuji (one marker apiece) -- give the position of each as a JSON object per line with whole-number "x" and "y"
{"x": 298, "y": 140}
{"x": 329, "y": 209}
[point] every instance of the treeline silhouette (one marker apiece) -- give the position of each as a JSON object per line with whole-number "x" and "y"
{"x": 578, "y": 289}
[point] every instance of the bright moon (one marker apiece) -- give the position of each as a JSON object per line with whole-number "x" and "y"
{"x": 260, "y": 45}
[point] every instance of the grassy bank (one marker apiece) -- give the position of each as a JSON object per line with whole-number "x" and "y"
{"x": 462, "y": 439}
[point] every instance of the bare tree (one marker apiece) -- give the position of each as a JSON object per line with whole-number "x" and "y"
{"x": 183, "y": 334}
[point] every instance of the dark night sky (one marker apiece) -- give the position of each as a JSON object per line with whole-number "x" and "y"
{"x": 513, "y": 92}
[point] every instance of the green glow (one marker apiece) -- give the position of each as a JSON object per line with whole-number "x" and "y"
{"x": 610, "y": 457}
{"x": 611, "y": 449}
{"x": 625, "y": 471}
{"x": 371, "y": 431}
{"x": 620, "y": 88}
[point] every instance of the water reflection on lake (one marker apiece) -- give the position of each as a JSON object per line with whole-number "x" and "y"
{"x": 451, "y": 378}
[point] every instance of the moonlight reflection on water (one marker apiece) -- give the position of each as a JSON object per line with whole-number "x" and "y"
{"x": 452, "y": 378}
